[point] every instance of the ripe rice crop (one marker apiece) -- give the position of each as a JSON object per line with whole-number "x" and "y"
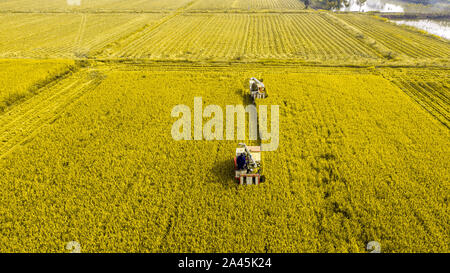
{"x": 87, "y": 146}
{"x": 353, "y": 166}
{"x": 355, "y": 156}
{"x": 24, "y": 120}
{"x": 22, "y": 78}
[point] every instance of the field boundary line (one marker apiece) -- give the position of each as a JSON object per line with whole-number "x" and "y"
{"x": 188, "y": 5}
{"x": 275, "y": 63}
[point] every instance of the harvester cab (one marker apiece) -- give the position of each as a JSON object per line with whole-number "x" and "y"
{"x": 247, "y": 163}
{"x": 257, "y": 89}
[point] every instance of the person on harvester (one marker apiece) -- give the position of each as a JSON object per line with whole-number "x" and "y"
{"x": 241, "y": 161}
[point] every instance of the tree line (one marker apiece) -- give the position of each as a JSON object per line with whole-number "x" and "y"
{"x": 332, "y": 4}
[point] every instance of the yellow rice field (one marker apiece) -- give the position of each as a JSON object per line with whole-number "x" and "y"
{"x": 87, "y": 152}
{"x": 21, "y": 79}
{"x": 97, "y": 175}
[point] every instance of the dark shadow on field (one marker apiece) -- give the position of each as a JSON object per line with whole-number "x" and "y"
{"x": 328, "y": 156}
{"x": 246, "y": 99}
{"x": 223, "y": 173}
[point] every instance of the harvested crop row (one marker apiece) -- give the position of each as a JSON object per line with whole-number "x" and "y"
{"x": 403, "y": 41}
{"x": 24, "y": 120}
{"x": 352, "y": 166}
{"x": 65, "y": 35}
{"x": 22, "y": 78}
{"x": 247, "y": 37}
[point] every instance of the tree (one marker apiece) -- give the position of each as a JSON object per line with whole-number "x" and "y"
{"x": 307, "y": 3}
{"x": 361, "y": 3}
{"x": 337, "y": 4}
{"x": 328, "y": 4}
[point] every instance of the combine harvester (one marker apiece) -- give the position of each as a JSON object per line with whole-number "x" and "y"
{"x": 247, "y": 163}
{"x": 257, "y": 89}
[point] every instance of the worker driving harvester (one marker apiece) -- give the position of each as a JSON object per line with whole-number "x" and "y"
{"x": 241, "y": 161}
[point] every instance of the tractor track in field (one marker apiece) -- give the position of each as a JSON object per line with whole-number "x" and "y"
{"x": 80, "y": 35}
{"x": 24, "y": 121}
{"x": 435, "y": 104}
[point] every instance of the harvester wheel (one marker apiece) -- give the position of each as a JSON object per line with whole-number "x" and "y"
{"x": 262, "y": 179}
